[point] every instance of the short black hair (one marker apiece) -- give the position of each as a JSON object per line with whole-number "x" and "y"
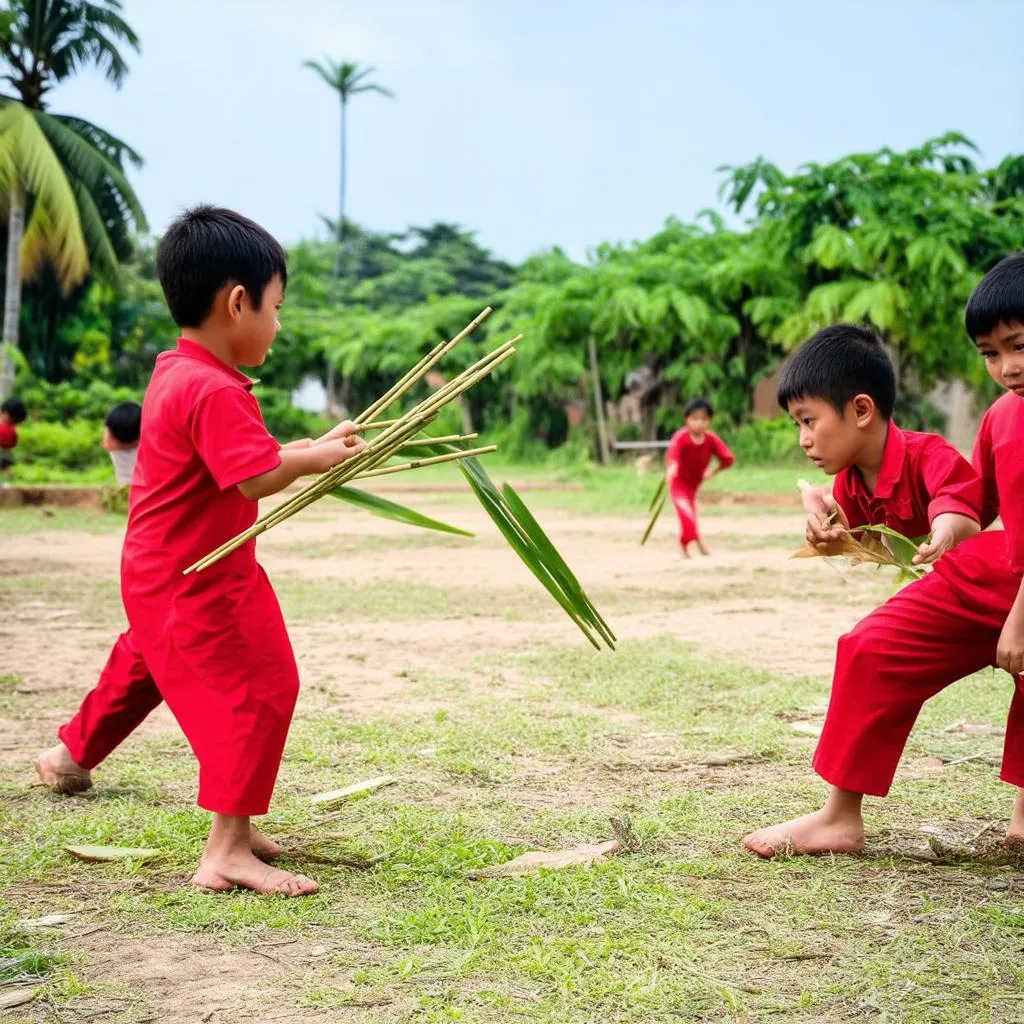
{"x": 698, "y": 405}
{"x": 124, "y": 421}
{"x": 837, "y": 364}
{"x": 204, "y": 249}
{"x": 998, "y": 298}
{"x": 15, "y": 409}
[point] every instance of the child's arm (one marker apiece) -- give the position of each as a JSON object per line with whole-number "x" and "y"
{"x": 723, "y": 457}
{"x": 957, "y": 497}
{"x": 1010, "y": 651}
{"x": 672, "y": 457}
{"x": 304, "y": 458}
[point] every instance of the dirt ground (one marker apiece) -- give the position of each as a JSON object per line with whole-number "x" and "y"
{"x": 747, "y": 601}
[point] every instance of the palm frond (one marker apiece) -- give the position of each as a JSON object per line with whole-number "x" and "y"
{"x": 392, "y": 510}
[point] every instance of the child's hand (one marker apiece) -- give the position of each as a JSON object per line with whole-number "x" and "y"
{"x": 1010, "y": 652}
{"x": 948, "y": 530}
{"x": 346, "y": 428}
{"x": 825, "y": 519}
{"x": 330, "y": 452}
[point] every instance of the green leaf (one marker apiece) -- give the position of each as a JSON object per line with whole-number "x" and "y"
{"x": 392, "y": 510}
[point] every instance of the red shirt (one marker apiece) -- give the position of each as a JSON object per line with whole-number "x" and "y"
{"x": 202, "y": 434}
{"x": 693, "y": 459}
{"x": 8, "y": 436}
{"x": 998, "y": 458}
{"x": 921, "y": 476}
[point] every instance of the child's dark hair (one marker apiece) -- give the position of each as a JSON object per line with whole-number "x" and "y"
{"x": 998, "y": 298}
{"x": 204, "y": 249}
{"x": 15, "y": 409}
{"x": 698, "y": 405}
{"x": 124, "y": 421}
{"x": 836, "y": 365}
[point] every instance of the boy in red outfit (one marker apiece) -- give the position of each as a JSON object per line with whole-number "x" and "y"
{"x": 966, "y": 615}
{"x": 686, "y": 463}
{"x": 840, "y": 389}
{"x": 214, "y": 641}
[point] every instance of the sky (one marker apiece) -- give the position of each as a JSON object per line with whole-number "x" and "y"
{"x": 538, "y": 122}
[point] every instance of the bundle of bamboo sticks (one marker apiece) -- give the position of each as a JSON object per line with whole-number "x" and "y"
{"x": 394, "y": 436}
{"x": 505, "y": 508}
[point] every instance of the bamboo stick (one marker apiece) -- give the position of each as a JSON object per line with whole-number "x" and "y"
{"x": 434, "y": 461}
{"x": 419, "y": 442}
{"x": 377, "y": 450}
{"x": 422, "y": 368}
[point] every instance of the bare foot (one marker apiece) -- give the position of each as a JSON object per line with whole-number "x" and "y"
{"x": 686, "y": 550}
{"x": 58, "y": 770}
{"x": 703, "y": 548}
{"x": 1015, "y": 833}
{"x": 245, "y": 871}
{"x": 820, "y": 832}
{"x": 264, "y": 848}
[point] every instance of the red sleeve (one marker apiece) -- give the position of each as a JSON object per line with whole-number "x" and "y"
{"x": 675, "y": 447}
{"x": 721, "y": 451}
{"x": 952, "y": 483}
{"x": 855, "y": 514}
{"x": 984, "y": 465}
{"x": 228, "y": 431}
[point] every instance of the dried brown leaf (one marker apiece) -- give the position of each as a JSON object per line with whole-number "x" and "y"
{"x": 530, "y": 863}
{"x": 104, "y": 854}
{"x": 338, "y": 796}
{"x": 975, "y": 728}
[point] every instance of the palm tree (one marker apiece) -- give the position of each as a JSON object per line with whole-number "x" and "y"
{"x": 347, "y": 79}
{"x": 65, "y": 173}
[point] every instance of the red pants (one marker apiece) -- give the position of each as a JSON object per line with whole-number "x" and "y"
{"x": 685, "y": 501}
{"x": 116, "y": 706}
{"x": 232, "y": 689}
{"x": 932, "y": 633}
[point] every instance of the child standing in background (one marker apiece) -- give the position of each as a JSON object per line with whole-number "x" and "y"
{"x": 12, "y": 412}
{"x": 688, "y": 465}
{"x": 121, "y": 439}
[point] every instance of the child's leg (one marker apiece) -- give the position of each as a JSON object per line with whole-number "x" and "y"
{"x": 1013, "y": 758}
{"x": 121, "y": 699}
{"x": 932, "y": 633}
{"x": 228, "y": 862}
{"x": 233, "y": 692}
{"x": 686, "y": 510}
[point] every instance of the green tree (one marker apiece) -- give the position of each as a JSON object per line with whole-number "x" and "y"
{"x": 68, "y": 201}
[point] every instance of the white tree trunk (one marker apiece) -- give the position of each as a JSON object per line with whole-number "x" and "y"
{"x": 12, "y": 293}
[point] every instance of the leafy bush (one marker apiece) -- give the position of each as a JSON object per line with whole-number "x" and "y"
{"x": 767, "y": 442}
{"x": 74, "y": 445}
{"x": 76, "y": 399}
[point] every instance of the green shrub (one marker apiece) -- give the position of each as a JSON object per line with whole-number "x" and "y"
{"x": 767, "y": 442}
{"x": 73, "y": 445}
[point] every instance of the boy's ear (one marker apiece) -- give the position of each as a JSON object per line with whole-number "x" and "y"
{"x": 864, "y": 410}
{"x": 236, "y": 299}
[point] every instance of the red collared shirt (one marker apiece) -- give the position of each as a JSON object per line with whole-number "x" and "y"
{"x": 202, "y": 434}
{"x": 693, "y": 459}
{"x": 8, "y": 436}
{"x": 921, "y": 476}
{"x": 999, "y": 458}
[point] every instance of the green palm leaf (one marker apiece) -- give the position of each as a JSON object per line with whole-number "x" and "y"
{"x": 656, "y": 507}
{"x": 392, "y": 510}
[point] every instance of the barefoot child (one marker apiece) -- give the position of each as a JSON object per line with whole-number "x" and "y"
{"x": 687, "y": 465}
{"x": 965, "y": 615}
{"x": 214, "y": 641}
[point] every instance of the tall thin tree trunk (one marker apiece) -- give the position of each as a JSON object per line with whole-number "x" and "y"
{"x": 602, "y": 430}
{"x": 332, "y": 397}
{"x": 12, "y": 293}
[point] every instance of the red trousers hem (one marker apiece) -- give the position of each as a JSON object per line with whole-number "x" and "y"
{"x": 852, "y": 781}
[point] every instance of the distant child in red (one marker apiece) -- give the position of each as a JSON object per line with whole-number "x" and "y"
{"x": 965, "y": 615}
{"x": 687, "y": 465}
{"x": 214, "y": 642}
{"x": 12, "y": 412}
